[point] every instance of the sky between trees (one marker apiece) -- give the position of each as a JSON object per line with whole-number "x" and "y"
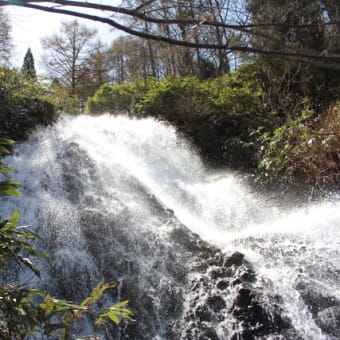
{"x": 304, "y": 31}
{"x": 30, "y": 26}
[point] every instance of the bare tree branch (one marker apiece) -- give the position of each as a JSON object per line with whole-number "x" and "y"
{"x": 328, "y": 60}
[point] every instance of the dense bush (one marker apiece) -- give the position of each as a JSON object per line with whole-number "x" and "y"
{"x": 60, "y": 97}
{"x": 117, "y": 98}
{"x": 305, "y": 149}
{"x": 24, "y": 105}
{"x": 298, "y": 145}
{"x": 175, "y": 99}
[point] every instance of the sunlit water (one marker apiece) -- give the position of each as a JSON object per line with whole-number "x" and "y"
{"x": 285, "y": 247}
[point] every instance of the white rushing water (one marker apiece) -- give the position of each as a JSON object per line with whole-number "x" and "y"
{"x": 288, "y": 248}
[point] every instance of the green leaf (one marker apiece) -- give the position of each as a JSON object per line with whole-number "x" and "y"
{"x": 14, "y": 219}
{"x": 112, "y": 315}
{"x": 115, "y": 313}
{"x": 3, "y": 224}
{"x": 55, "y": 305}
{"x": 9, "y": 188}
{"x": 28, "y": 263}
{"x": 96, "y": 293}
{"x": 4, "y": 150}
{"x": 5, "y": 169}
{"x": 6, "y": 141}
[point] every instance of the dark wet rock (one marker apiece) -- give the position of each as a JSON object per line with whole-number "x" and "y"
{"x": 234, "y": 279}
{"x": 208, "y": 333}
{"x": 162, "y": 293}
{"x": 218, "y": 273}
{"x": 246, "y": 273}
{"x": 172, "y": 298}
{"x": 200, "y": 266}
{"x": 222, "y": 284}
{"x": 216, "y": 303}
{"x": 329, "y": 321}
{"x": 199, "y": 331}
{"x": 216, "y": 260}
{"x": 325, "y": 307}
{"x": 314, "y": 295}
{"x": 203, "y": 313}
{"x": 177, "y": 271}
{"x": 236, "y": 282}
{"x": 72, "y": 288}
{"x": 254, "y": 314}
{"x": 243, "y": 300}
{"x": 189, "y": 240}
{"x": 235, "y": 259}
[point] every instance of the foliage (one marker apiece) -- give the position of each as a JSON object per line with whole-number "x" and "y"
{"x": 298, "y": 97}
{"x": 21, "y": 313}
{"x": 289, "y": 14}
{"x": 179, "y": 99}
{"x": 236, "y": 94}
{"x": 118, "y": 98}
{"x": 115, "y": 312}
{"x": 305, "y": 148}
{"x": 287, "y": 82}
{"x": 58, "y": 316}
{"x": 24, "y": 105}
{"x": 175, "y": 99}
{"x": 217, "y": 114}
{"x": 60, "y": 97}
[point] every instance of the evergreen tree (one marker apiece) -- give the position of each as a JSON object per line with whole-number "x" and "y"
{"x": 28, "y": 68}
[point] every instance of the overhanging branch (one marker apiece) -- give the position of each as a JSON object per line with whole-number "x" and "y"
{"x": 312, "y": 57}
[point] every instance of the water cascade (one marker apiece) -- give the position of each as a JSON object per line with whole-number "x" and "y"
{"x": 198, "y": 253}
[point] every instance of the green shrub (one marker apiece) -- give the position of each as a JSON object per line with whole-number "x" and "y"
{"x": 24, "y": 105}
{"x": 178, "y": 100}
{"x": 62, "y": 100}
{"x": 117, "y": 98}
{"x": 305, "y": 149}
{"x": 236, "y": 94}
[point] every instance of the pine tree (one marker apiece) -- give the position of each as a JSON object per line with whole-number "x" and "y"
{"x": 28, "y": 68}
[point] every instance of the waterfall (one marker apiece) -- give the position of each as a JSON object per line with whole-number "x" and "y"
{"x": 198, "y": 253}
